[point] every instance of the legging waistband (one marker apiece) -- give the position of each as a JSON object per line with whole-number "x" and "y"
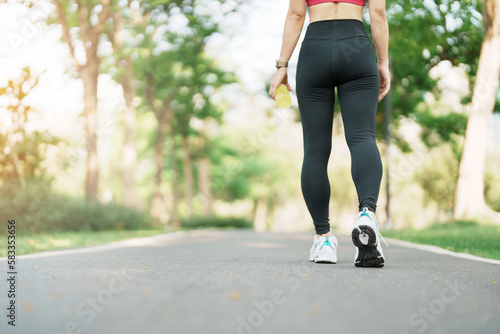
{"x": 335, "y": 29}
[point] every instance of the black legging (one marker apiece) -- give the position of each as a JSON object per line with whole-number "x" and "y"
{"x": 338, "y": 53}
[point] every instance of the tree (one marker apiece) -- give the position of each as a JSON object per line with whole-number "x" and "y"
{"x": 453, "y": 31}
{"x": 244, "y": 169}
{"x": 197, "y": 77}
{"x": 89, "y": 17}
{"x": 437, "y": 177}
{"x": 470, "y": 201}
{"x": 422, "y": 34}
{"x": 177, "y": 82}
{"x": 22, "y": 152}
{"x": 125, "y": 77}
{"x": 131, "y": 20}
{"x": 159, "y": 100}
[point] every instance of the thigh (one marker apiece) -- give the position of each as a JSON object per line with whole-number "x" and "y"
{"x": 358, "y": 100}
{"x": 358, "y": 86}
{"x": 316, "y": 92}
{"x": 358, "y": 104}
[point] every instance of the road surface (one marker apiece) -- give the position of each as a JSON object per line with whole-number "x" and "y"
{"x": 238, "y": 281}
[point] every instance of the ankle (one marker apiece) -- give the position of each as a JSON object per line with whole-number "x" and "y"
{"x": 328, "y": 234}
{"x": 367, "y": 209}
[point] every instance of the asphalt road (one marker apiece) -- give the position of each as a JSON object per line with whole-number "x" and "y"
{"x": 241, "y": 282}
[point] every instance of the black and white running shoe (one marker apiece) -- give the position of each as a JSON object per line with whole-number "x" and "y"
{"x": 365, "y": 236}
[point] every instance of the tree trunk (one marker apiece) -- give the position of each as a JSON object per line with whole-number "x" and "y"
{"x": 174, "y": 215}
{"x": 157, "y": 206}
{"x": 187, "y": 163}
{"x": 470, "y": 187}
{"x": 129, "y": 153}
{"x": 205, "y": 186}
{"x": 259, "y": 222}
{"x": 89, "y": 74}
{"x": 126, "y": 80}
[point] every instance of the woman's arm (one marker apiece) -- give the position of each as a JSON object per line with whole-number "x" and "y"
{"x": 293, "y": 27}
{"x": 380, "y": 32}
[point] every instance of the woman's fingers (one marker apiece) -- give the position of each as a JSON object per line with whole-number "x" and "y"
{"x": 385, "y": 81}
{"x": 385, "y": 86}
{"x": 383, "y": 92}
{"x": 280, "y": 77}
{"x": 272, "y": 89}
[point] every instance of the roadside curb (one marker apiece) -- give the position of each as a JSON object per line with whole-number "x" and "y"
{"x": 442, "y": 251}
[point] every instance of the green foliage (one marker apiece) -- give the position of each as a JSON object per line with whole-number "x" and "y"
{"x": 423, "y": 33}
{"x": 438, "y": 175}
{"x": 240, "y": 170}
{"x": 439, "y": 129}
{"x": 219, "y": 222}
{"x": 178, "y": 78}
{"x": 454, "y": 224}
{"x": 343, "y": 192}
{"x": 22, "y": 152}
{"x": 37, "y": 208}
{"x": 459, "y": 236}
{"x": 245, "y": 178}
{"x": 180, "y": 74}
{"x": 492, "y": 188}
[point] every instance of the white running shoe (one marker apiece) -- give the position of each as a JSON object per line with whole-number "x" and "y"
{"x": 324, "y": 250}
{"x": 365, "y": 236}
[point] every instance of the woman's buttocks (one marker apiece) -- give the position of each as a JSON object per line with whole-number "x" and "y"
{"x": 337, "y": 50}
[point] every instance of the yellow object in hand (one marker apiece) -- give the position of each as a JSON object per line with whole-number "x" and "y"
{"x": 282, "y": 97}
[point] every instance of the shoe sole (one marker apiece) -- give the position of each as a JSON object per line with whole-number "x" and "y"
{"x": 324, "y": 261}
{"x": 325, "y": 258}
{"x": 368, "y": 254}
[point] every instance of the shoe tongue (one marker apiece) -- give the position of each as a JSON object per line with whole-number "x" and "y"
{"x": 365, "y": 213}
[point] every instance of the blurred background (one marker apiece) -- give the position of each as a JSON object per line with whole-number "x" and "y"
{"x": 154, "y": 114}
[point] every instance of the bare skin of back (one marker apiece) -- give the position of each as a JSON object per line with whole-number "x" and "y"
{"x": 335, "y": 10}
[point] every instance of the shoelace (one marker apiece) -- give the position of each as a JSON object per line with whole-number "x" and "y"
{"x": 327, "y": 243}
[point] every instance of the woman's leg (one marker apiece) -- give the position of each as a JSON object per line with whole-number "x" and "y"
{"x": 316, "y": 96}
{"x": 358, "y": 104}
{"x": 317, "y": 119}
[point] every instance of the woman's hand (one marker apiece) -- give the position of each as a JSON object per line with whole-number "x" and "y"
{"x": 385, "y": 80}
{"x": 280, "y": 77}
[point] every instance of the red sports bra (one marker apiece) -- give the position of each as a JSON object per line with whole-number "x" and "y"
{"x": 315, "y": 2}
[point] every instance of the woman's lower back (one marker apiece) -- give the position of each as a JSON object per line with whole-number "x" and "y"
{"x": 335, "y": 10}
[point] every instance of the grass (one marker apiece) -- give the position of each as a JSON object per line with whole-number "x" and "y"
{"x": 458, "y": 236}
{"x": 31, "y": 243}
